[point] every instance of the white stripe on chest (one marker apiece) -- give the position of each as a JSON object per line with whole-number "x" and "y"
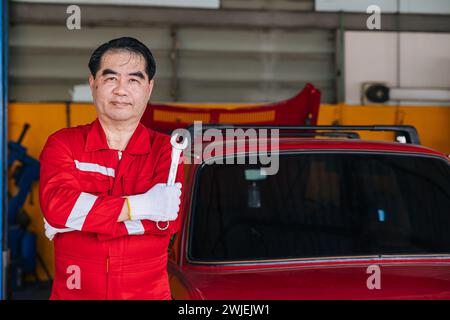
{"x": 93, "y": 167}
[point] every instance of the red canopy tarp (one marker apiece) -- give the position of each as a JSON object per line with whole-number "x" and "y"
{"x": 302, "y": 109}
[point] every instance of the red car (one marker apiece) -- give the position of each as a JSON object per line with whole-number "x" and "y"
{"x": 343, "y": 218}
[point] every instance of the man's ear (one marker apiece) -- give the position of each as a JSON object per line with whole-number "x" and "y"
{"x": 91, "y": 82}
{"x": 150, "y": 84}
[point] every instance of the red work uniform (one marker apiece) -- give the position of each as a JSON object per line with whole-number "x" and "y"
{"x": 82, "y": 184}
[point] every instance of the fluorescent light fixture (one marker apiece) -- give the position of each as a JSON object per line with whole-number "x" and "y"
{"x": 205, "y": 4}
{"x": 386, "y": 6}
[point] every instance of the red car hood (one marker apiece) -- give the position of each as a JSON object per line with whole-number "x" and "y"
{"x": 425, "y": 281}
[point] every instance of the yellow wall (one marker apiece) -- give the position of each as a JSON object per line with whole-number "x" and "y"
{"x": 432, "y": 123}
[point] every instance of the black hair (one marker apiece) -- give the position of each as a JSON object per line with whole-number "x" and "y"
{"x": 124, "y": 43}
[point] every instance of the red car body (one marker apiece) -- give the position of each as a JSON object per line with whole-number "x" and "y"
{"x": 424, "y": 276}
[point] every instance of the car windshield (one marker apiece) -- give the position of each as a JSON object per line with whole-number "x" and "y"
{"x": 322, "y": 205}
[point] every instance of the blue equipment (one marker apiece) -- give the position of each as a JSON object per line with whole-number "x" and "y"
{"x": 22, "y": 243}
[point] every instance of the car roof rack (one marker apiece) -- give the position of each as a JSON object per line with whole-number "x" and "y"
{"x": 350, "y": 135}
{"x": 408, "y": 132}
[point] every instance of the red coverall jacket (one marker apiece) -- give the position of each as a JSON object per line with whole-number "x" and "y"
{"x": 82, "y": 182}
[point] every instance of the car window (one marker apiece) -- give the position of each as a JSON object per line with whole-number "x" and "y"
{"x": 322, "y": 205}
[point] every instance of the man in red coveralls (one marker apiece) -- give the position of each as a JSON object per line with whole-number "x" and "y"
{"x": 103, "y": 187}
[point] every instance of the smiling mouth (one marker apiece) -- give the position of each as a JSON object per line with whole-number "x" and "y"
{"x": 120, "y": 104}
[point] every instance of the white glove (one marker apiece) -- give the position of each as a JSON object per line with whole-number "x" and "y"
{"x": 50, "y": 231}
{"x": 160, "y": 203}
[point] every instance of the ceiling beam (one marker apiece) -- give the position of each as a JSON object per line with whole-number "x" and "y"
{"x": 109, "y": 15}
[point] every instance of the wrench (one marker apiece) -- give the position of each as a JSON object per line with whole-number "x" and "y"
{"x": 177, "y": 148}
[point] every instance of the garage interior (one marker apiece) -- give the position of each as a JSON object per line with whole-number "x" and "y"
{"x": 226, "y": 54}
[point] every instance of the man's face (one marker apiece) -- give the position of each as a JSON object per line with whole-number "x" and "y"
{"x": 121, "y": 88}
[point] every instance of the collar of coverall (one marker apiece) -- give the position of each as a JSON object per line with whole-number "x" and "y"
{"x": 138, "y": 144}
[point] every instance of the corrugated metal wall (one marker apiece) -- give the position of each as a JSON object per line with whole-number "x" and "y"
{"x": 253, "y": 65}
{"x": 46, "y": 61}
{"x": 211, "y": 64}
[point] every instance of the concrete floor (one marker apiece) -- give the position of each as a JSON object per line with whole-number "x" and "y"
{"x": 32, "y": 291}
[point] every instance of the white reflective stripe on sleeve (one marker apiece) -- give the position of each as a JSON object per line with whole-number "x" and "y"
{"x": 134, "y": 227}
{"x": 80, "y": 210}
{"x": 93, "y": 167}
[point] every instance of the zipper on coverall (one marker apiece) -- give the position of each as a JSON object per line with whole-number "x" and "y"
{"x": 119, "y": 154}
